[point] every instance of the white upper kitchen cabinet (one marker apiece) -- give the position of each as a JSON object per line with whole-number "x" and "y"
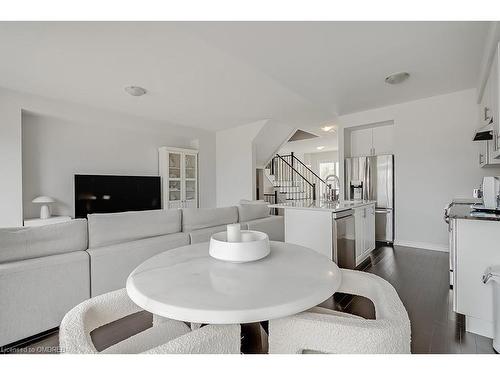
{"x": 383, "y": 139}
{"x": 361, "y": 142}
{"x": 179, "y": 177}
{"x": 376, "y": 140}
{"x": 488, "y": 152}
{"x": 489, "y": 109}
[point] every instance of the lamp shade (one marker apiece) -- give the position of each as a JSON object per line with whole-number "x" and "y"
{"x": 43, "y": 200}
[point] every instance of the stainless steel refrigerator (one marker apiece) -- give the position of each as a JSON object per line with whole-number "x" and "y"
{"x": 372, "y": 177}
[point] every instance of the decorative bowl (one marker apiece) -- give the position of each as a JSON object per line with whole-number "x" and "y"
{"x": 253, "y": 246}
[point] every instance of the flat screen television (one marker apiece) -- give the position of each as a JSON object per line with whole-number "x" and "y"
{"x": 106, "y": 193}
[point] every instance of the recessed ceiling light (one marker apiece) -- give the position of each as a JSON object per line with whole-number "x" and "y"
{"x": 327, "y": 128}
{"x": 320, "y": 147}
{"x": 135, "y": 90}
{"x": 396, "y": 78}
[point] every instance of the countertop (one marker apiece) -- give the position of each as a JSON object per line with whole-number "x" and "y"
{"x": 322, "y": 205}
{"x": 462, "y": 209}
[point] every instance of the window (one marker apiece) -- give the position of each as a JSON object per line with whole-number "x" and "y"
{"x": 327, "y": 168}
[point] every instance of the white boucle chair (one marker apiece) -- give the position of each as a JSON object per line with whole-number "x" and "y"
{"x": 321, "y": 330}
{"x": 165, "y": 336}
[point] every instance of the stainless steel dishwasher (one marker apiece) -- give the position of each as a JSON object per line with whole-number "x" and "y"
{"x": 344, "y": 239}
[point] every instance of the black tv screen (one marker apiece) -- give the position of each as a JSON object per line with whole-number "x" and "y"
{"x": 104, "y": 194}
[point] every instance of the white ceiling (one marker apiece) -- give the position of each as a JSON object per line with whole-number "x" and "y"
{"x": 215, "y": 75}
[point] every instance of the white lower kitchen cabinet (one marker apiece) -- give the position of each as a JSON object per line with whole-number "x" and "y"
{"x": 364, "y": 218}
{"x": 342, "y": 231}
{"x": 475, "y": 247}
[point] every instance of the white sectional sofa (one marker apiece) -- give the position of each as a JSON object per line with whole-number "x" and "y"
{"x": 45, "y": 271}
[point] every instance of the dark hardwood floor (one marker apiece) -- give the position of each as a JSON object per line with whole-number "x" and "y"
{"x": 419, "y": 276}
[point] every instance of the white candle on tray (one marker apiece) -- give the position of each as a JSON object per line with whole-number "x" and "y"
{"x": 234, "y": 232}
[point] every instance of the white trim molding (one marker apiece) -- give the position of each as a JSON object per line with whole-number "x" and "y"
{"x": 422, "y": 245}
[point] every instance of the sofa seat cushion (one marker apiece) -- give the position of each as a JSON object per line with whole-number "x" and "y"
{"x": 111, "y": 265}
{"x": 34, "y": 242}
{"x": 109, "y": 229}
{"x": 274, "y": 226}
{"x": 203, "y": 235}
{"x": 248, "y": 212}
{"x": 199, "y": 218}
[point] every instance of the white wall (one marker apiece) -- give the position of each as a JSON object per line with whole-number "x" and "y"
{"x": 11, "y": 212}
{"x": 314, "y": 158}
{"x": 435, "y": 161}
{"x": 268, "y": 141}
{"x": 236, "y": 161}
{"x": 62, "y": 138}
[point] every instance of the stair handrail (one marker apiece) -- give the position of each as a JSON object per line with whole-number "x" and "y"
{"x": 296, "y": 171}
{"x": 305, "y": 166}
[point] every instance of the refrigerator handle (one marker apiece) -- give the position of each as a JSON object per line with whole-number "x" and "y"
{"x": 366, "y": 191}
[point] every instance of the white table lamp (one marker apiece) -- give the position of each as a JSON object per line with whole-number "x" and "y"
{"x": 44, "y": 209}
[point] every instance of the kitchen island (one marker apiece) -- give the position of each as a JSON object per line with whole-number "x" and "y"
{"x": 344, "y": 231}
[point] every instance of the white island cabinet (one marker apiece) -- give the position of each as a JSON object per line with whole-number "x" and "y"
{"x": 343, "y": 231}
{"x": 364, "y": 219}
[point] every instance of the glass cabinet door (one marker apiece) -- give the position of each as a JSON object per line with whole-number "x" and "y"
{"x": 174, "y": 165}
{"x": 190, "y": 166}
{"x": 190, "y": 184}
{"x": 190, "y": 190}
{"x": 174, "y": 179}
{"x": 174, "y": 190}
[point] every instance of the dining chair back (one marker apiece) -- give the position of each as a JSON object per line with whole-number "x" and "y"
{"x": 321, "y": 330}
{"x": 165, "y": 336}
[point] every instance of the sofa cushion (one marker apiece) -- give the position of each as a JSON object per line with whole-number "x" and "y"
{"x": 203, "y": 235}
{"x": 199, "y": 218}
{"x": 108, "y": 229}
{"x": 33, "y": 242}
{"x": 274, "y": 226}
{"x": 111, "y": 265}
{"x": 247, "y": 212}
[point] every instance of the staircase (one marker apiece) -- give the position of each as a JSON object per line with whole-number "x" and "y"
{"x": 292, "y": 180}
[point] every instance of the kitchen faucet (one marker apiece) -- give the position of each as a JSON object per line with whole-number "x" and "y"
{"x": 332, "y": 194}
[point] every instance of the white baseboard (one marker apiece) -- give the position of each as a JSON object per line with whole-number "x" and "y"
{"x": 479, "y": 326}
{"x": 422, "y": 245}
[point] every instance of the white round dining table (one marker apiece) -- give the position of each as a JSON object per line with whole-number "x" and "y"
{"x": 187, "y": 284}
